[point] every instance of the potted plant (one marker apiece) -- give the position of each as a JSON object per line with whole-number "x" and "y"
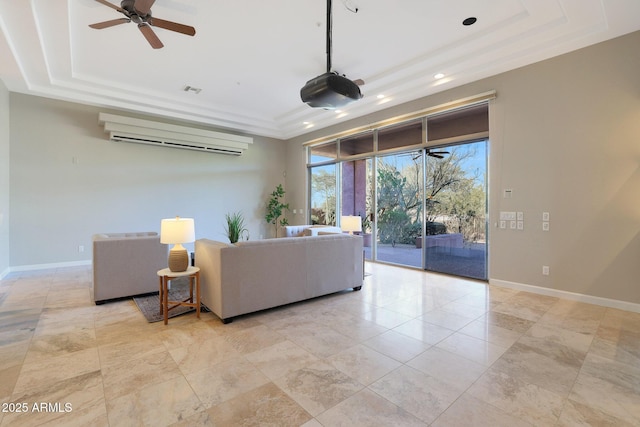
{"x": 366, "y": 231}
{"x": 235, "y": 227}
{"x": 275, "y": 209}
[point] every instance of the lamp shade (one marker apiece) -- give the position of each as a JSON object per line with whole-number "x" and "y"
{"x": 351, "y": 223}
{"x": 177, "y": 230}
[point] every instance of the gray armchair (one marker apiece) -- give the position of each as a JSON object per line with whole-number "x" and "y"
{"x": 126, "y": 264}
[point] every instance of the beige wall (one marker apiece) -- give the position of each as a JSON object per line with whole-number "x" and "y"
{"x": 4, "y": 179}
{"x": 68, "y": 181}
{"x": 565, "y": 136}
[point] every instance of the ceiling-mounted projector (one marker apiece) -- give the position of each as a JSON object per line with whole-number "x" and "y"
{"x": 330, "y": 91}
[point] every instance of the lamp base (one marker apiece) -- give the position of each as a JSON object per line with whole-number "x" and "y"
{"x": 178, "y": 259}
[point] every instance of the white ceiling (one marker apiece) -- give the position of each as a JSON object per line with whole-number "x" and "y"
{"x": 251, "y": 57}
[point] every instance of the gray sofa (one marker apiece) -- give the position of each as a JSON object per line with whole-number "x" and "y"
{"x": 126, "y": 264}
{"x": 256, "y": 275}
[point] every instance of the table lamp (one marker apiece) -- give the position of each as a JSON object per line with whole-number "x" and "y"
{"x": 177, "y": 231}
{"x": 350, "y": 223}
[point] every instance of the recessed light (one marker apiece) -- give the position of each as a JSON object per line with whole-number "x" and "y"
{"x": 469, "y": 21}
{"x": 381, "y": 96}
{"x": 438, "y": 76}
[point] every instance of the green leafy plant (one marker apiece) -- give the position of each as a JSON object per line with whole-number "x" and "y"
{"x": 275, "y": 209}
{"x": 235, "y": 227}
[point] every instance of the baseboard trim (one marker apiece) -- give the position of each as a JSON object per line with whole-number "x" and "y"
{"x": 589, "y": 299}
{"x": 35, "y": 267}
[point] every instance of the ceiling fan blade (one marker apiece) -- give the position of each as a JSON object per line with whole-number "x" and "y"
{"x": 151, "y": 37}
{"x": 143, "y": 6}
{"x": 112, "y": 6}
{"x": 172, "y": 26}
{"x": 359, "y": 82}
{"x": 107, "y": 24}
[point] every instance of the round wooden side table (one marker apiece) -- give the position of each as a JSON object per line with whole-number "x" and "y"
{"x": 166, "y": 275}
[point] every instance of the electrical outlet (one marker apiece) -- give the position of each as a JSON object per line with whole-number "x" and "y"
{"x": 545, "y": 226}
{"x": 545, "y": 270}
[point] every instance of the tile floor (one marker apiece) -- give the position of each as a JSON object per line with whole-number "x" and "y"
{"x": 411, "y": 348}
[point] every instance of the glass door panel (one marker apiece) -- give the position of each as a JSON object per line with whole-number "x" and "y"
{"x": 356, "y": 196}
{"x": 323, "y": 194}
{"x": 455, "y": 210}
{"x": 399, "y": 208}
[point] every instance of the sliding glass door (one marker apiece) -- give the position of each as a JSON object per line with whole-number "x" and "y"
{"x": 455, "y": 240}
{"x": 419, "y": 187}
{"x": 399, "y": 192}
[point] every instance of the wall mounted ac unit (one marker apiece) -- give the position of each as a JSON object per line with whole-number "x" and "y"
{"x": 129, "y": 129}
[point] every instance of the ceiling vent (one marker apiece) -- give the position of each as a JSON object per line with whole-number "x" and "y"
{"x": 129, "y": 129}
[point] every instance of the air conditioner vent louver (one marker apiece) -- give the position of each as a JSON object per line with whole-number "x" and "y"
{"x": 128, "y": 129}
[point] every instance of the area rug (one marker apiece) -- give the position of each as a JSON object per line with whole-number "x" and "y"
{"x": 149, "y": 304}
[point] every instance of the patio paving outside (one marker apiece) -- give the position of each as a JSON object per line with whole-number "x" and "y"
{"x": 469, "y": 261}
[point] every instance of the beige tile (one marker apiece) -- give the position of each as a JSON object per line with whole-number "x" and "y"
{"x": 318, "y": 387}
{"x": 621, "y": 345}
{"x": 574, "y": 316}
{"x": 609, "y": 387}
{"x": 419, "y": 394}
{"x": 397, "y": 346}
{"x": 200, "y": 419}
{"x": 522, "y": 400}
{"x": 359, "y": 329}
{"x": 45, "y": 346}
{"x": 225, "y": 381}
{"x": 253, "y": 339}
{"x": 81, "y": 393}
{"x": 137, "y": 373}
{"x": 45, "y": 373}
{"x": 414, "y": 307}
{"x": 619, "y": 319}
{"x": 562, "y": 345}
{"x": 529, "y": 365}
{"x": 319, "y": 340}
{"x": 363, "y": 363}
{"x": 9, "y": 377}
{"x": 266, "y": 405}
{"x": 494, "y": 334}
{"x": 120, "y": 353}
{"x": 195, "y": 352}
{"x": 448, "y": 367}
{"x": 159, "y": 404}
{"x": 578, "y": 414}
{"x": 280, "y": 359}
{"x": 471, "y": 348}
{"x": 568, "y": 363}
{"x": 423, "y": 331}
{"x": 506, "y": 321}
{"x": 471, "y": 412}
{"x": 446, "y": 319}
{"x": 358, "y": 410}
{"x": 386, "y": 318}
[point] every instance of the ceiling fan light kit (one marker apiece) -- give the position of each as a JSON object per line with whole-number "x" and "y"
{"x": 330, "y": 90}
{"x": 139, "y": 12}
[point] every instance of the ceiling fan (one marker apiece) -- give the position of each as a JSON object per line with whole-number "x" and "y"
{"x": 437, "y": 154}
{"x": 139, "y": 11}
{"x": 330, "y": 90}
